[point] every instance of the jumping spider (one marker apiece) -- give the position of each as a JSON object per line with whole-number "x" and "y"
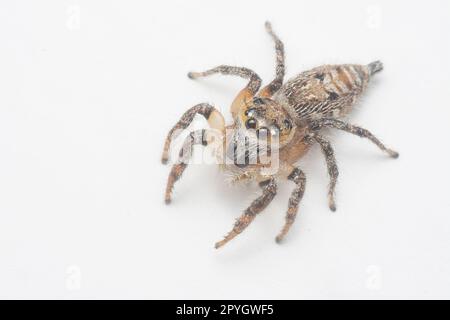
{"x": 294, "y": 113}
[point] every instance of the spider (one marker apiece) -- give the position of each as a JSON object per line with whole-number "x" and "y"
{"x": 292, "y": 113}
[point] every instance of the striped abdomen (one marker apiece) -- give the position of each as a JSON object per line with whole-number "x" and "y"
{"x": 326, "y": 91}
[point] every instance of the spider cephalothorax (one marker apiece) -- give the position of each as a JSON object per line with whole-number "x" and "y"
{"x": 267, "y": 118}
{"x": 274, "y": 127}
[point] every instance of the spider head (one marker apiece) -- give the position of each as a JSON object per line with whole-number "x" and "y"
{"x": 261, "y": 127}
{"x": 268, "y": 118}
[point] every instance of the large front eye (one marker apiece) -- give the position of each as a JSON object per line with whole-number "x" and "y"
{"x": 275, "y": 130}
{"x": 250, "y": 123}
{"x": 250, "y": 112}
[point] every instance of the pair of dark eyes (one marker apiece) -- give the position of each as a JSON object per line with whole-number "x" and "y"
{"x": 251, "y": 124}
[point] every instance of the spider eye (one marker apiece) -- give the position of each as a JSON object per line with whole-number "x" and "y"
{"x": 249, "y": 112}
{"x": 250, "y": 123}
{"x": 275, "y": 130}
{"x": 287, "y": 124}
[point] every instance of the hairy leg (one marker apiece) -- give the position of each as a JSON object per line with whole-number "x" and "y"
{"x": 258, "y": 205}
{"x": 360, "y": 132}
{"x": 253, "y": 85}
{"x": 214, "y": 117}
{"x": 298, "y": 177}
{"x": 194, "y": 138}
{"x": 245, "y": 94}
{"x": 333, "y": 171}
{"x": 276, "y": 83}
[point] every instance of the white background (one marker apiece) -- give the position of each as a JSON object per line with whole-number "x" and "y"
{"x": 89, "y": 89}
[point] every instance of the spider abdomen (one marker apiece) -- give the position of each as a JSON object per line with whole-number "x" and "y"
{"x": 326, "y": 91}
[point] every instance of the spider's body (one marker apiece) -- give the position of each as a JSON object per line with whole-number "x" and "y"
{"x": 325, "y": 91}
{"x": 282, "y": 119}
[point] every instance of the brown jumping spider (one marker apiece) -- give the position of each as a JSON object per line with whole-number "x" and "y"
{"x": 293, "y": 114}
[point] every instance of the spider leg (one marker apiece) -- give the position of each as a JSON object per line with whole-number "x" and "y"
{"x": 360, "y": 132}
{"x": 214, "y": 117}
{"x": 253, "y": 85}
{"x": 203, "y": 137}
{"x": 333, "y": 171}
{"x": 276, "y": 83}
{"x": 298, "y": 177}
{"x": 269, "y": 190}
{"x": 245, "y": 94}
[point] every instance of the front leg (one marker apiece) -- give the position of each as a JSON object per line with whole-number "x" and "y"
{"x": 203, "y": 137}
{"x": 298, "y": 177}
{"x": 211, "y": 114}
{"x": 245, "y": 94}
{"x": 253, "y": 85}
{"x": 276, "y": 83}
{"x": 258, "y": 205}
